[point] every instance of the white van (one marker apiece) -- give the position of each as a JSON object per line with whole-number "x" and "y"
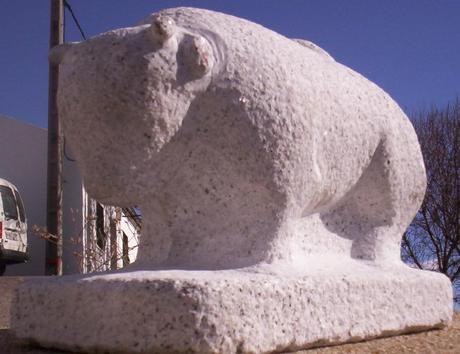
{"x": 13, "y": 226}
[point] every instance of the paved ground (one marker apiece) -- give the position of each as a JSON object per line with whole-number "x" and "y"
{"x": 446, "y": 341}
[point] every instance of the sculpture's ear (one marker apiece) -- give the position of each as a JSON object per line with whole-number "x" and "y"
{"x": 57, "y": 53}
{"x": 198, "y": 55}
{"x": 162, "y": 28}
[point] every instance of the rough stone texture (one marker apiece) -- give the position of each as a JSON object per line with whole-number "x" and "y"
{"x": 230, "y": 311}
{"x": 275, "y": 185}
{"x": 445, "y": 341}
{"x": 7, "y": 286}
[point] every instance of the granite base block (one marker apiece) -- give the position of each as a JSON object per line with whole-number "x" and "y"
{"x": 229, "y": 311}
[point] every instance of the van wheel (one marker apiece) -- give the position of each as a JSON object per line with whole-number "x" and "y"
{"x": 2, "y": 268}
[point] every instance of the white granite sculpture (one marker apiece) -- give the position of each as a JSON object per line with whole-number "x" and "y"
{"x": 275, "y": 185}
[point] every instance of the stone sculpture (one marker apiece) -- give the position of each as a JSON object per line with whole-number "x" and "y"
{"x": 275, "y": 185}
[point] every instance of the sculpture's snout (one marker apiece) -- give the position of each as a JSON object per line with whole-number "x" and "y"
{"x": 57, "y": 53}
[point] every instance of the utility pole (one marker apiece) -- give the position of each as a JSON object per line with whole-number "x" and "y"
{"x": 53, "y": 264}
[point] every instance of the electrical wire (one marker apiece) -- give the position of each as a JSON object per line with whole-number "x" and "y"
{"x": 68, "y": 7}
{"x": 77, "y": 23}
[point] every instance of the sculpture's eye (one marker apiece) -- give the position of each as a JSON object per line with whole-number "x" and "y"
{"x": 162, "y": 28}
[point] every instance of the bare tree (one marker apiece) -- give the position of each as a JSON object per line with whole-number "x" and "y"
{"x": 93, "y": 250}
{"x": 433, "y": 240}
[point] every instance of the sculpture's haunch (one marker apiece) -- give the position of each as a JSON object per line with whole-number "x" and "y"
{"x": 240, "y": 145}
{"x": 244, "y": 149}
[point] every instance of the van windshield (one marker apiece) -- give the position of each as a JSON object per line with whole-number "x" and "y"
{"x": 9, "y": 203}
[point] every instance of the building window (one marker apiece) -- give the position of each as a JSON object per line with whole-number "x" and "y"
{"x": 100, "y": 230}
{"x": 125, "y": 250}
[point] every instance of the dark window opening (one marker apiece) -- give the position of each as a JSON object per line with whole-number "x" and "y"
{"x": 100, "y": 232}
{"x": 126, "y": 260}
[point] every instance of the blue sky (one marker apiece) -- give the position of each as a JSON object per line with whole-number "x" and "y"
{"x": 408, "y": 47}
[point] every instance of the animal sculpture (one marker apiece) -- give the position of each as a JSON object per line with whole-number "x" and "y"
{"x": 241, "y": 146}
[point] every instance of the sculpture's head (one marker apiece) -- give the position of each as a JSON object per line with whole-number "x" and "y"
{"x": 122, "y": 97}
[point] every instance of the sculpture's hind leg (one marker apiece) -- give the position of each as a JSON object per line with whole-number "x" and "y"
{"x": 376, "y": 212}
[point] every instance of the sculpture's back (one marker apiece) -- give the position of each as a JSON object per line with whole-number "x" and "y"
{"x": 244, "y": 149}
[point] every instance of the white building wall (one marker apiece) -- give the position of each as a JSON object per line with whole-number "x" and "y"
{"x": 23, "y": 151}
{"x": 23, "y": 163}
{"x": 132, "y": 233}
{"x": 73, "y": 215}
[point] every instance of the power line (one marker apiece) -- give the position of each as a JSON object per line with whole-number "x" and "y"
{"x": 68, "y": 7}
